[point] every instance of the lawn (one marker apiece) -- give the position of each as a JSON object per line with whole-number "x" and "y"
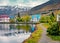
{"x": 35, "y": 36}
{"x": 46, "y": 25}
{"x": 55, "y": 38}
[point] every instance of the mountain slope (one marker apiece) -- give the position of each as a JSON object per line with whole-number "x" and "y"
{"x": 50, "y": 5}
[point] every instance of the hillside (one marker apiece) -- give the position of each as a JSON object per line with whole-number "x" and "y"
{"x": 48, "y": 6}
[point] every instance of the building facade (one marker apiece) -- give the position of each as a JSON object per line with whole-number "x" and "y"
{"x": 35, "y": 18}
{"x": 58, "y": 17}
{"x": 4, "y": 18}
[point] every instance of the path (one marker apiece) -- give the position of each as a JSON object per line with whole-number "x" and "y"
{"x": 45, "y": 38}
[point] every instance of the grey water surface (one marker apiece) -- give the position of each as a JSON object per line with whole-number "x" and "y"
{"x": 15, "y": 33}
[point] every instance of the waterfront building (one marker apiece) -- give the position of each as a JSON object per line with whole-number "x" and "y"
{"x": 35, "y": 18}
{"x": 4, "y": 18}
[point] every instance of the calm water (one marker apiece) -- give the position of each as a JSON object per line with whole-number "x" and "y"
{"x": 15, "y": 33}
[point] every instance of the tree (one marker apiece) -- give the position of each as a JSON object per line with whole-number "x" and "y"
{"x": 19, "y": 19}
{"x": 12, "y": 20}
{"x": 45, "y": 19}
{"x": 54, "y": 29}
{"x": 26, "y": 18}
{"x": 52, "y": 18}
{"x": 53, "y": 14}
{"x": 18, "y": 15}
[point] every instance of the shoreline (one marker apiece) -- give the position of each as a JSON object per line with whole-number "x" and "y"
{"x": 34, "y": 35}
{"x": 18, "y": 23}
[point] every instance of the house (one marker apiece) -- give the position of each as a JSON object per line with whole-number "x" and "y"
{"x": 4, "y": 18}
{"x": 35, "y": 18}
{"x": 58, "y": 20}
{"x": 58, "y": 17}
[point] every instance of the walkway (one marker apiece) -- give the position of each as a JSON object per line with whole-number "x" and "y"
{"x": 45, "y": 38}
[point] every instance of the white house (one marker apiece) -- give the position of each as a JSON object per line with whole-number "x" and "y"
{"x": 58, "y": 17}
{"x": 4, "y": 18}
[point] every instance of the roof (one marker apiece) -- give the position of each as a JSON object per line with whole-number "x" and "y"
{"x": 4, "y": 16}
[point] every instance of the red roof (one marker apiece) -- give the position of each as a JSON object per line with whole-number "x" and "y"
{"x": 4, "y": 16}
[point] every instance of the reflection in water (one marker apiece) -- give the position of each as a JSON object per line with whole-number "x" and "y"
{"x": 15, "y": 33}
{"x": 4, "y": 26}
{"x": 25, "y": 27}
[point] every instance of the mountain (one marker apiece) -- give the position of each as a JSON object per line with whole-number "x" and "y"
{"x": 12, "y": 10}
{"x": 50, "y": 5}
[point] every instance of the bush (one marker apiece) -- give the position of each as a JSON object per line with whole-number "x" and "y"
{"x": 53, "y": 29}
{"x": 12, "y": 20}
{"x": 26, "y": 18}
{"x": 45, "y": 19}
{"x": 19, "y": 19}
{"x": 48, "y": 18}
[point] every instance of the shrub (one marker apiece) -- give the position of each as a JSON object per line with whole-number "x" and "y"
{"x": 19, "y": 19}
{"x": 45, "y": 19}
{"x": 48, "y": 18}
{"x": 53, "y": 29}
{"x": 12, "y": 20}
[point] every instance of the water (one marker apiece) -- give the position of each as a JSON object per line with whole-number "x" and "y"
{"x": 15, "y": 33}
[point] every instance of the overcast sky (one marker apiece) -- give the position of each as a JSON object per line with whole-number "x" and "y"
{"x": 30, "y": 3}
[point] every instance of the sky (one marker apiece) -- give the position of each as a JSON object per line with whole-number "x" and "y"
{"x": 30, "y": 3}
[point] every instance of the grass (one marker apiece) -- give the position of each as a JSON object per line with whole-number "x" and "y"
{"x": 35, "y": 36}
{"x": 46, "y": 25}
{"x": 55, "y": 38}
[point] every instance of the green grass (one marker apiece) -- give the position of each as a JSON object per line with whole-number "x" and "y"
{"x": 35, "y": 36}
{"x": 46, "y": 25}
{"x": 55, "y": 38}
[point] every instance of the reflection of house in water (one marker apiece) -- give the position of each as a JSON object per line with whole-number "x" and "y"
{"x": 12, "y": 26}
{"x": 7, "y": 26}
{"x": 33, "y": 28}
{"x": 4, "y": 18}
{"x": 4, "y": 27}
